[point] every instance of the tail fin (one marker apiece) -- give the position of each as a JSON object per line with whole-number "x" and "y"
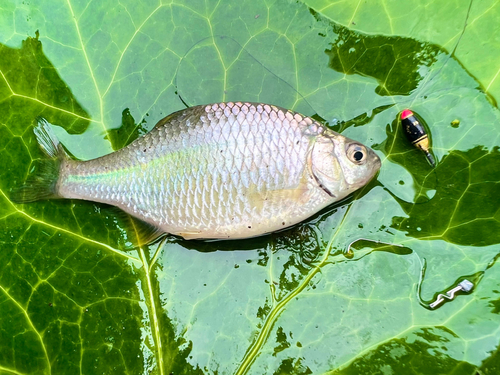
{"x": 42, "y": 184}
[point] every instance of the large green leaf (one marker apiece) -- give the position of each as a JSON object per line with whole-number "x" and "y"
{"x": 467, "y": 29}
{"x": 76, "y": 297}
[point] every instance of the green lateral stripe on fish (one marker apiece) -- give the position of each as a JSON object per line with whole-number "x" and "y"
{"x": 217, "y": 171}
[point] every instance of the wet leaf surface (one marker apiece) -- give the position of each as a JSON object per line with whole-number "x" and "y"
{"x": 75, "y": 296}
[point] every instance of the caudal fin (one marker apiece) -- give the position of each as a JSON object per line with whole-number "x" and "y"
{"x": 42, "y": 184}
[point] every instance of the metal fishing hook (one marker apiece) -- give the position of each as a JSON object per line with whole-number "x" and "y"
{"x": 463, "y": 286}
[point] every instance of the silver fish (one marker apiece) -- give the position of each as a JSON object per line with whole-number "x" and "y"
{"x": 218, "y": 171}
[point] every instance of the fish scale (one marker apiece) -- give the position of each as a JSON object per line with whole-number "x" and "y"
{"x": 224, "y": 170}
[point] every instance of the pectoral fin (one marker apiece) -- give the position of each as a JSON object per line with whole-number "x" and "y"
{"x": 191, "y": 235}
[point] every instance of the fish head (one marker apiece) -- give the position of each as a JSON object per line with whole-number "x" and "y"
{"x": 341, "y": 165}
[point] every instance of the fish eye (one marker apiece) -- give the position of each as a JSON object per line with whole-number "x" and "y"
{"x": 356, "y": 153}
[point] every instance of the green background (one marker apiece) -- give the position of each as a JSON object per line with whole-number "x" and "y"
{"x": 77, "y": 297}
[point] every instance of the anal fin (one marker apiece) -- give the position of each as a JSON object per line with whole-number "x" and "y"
{"x": 140, "y": 232}
{"x": 146, "y": 233}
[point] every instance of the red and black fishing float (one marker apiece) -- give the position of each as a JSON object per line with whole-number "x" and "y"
{"x": 416, "y": 134}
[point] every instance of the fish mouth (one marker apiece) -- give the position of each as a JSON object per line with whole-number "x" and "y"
{"x": 377, "y": 163}
{"x": 374, "y": 160}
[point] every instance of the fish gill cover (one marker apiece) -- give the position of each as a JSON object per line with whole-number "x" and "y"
{"x": 76, "y": 298}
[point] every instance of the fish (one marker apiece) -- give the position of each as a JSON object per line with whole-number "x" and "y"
{"x": 229, "y": 170}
